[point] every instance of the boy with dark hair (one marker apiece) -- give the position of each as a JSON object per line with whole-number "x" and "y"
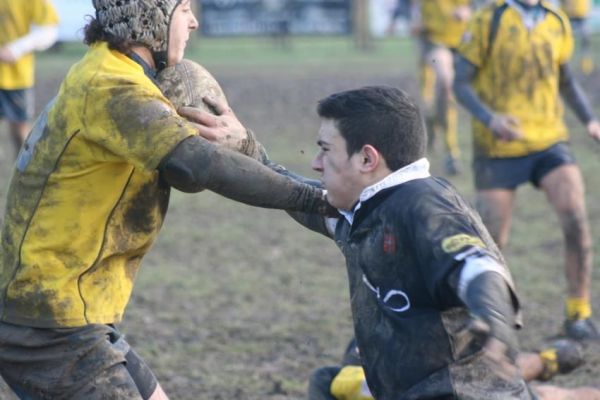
{"x": 433, "y": 304}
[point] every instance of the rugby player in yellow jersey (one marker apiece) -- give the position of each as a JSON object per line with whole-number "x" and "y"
{"x": 578, "y": 12}
{"x": 25, "y": 27}
{"x": 89, "y": 194}
{"x": 439, "y": 25}
{"x": 510, "y": 70}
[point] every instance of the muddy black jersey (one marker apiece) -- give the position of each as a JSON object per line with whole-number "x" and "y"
{"x": 404, "y": 253}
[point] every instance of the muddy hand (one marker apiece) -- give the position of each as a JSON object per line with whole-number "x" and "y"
{"x": 223, "y": 128}
{"x": 505, "y": 127}
{"x": 495, "y": 352}
{"x": 496, "y": 355}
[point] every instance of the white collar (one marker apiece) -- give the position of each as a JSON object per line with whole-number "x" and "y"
{"x": 416, "y": 170}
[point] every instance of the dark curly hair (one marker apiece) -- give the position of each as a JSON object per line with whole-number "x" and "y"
{"x": 93, "y": 33}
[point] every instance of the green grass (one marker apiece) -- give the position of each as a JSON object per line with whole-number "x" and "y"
{"x": 237, "y": 302}
{"x": 263, "y": 51}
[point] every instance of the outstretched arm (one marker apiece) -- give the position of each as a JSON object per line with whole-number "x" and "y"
{"x": 315, "y": 222}
{"x": 196, "y": 164}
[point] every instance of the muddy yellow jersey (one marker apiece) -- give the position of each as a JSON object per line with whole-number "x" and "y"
{"x": 518, "y": 75}
{"x": 440, "y": 23}
{"x": 16, "y": 18}
{"x": 85, "y": 202}
{"x": 576, "y": 8}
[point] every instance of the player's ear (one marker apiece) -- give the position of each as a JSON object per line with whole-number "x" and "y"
{"x": 370, "y": 158}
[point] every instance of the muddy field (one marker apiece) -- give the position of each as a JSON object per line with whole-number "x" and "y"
{"x": 242, "y": 303}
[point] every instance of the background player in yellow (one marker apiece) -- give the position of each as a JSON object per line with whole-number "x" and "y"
{"x": 89, "y": 194}
{"x": 25, "y": 27}
{"x": 439, "y": 25}
{"x": 578, "y": 12}
{"x": 510, "y": 70}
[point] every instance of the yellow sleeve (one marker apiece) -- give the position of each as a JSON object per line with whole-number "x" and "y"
{"x": 139, "y": 127}
{"x": 474, "y": 43}
{"x": 568, "y": 43}
{"x": 350, "y": 384}
{"x": 43, "y": 13}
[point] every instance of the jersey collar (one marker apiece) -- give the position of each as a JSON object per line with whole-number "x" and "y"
{"x": 416, "y": 170}
{"x": 531, "y": 16}
{"x": 148, "y": 70}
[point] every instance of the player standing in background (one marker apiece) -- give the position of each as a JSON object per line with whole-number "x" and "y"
{"x": 25, "y": 27}
{"x": 401, "y": 10}
{"x": 578, "y": 12}
{"x": 439, "y": 25}
{"x": 511, "y": 69}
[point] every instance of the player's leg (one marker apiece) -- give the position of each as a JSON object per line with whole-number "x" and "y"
{"x": 91, "y": 362}
{"x": 495, "y": 208}
{"x": 550, "y": 392}
{"x": 496, "y": 181}
{"x": 561, "y": 357}
{"x": 17, "y": 106}
{"x": 131, "y": 379}
{"x": 427, "y": 90}
{"x": 18, "y": 133}
{"x": 440, "y": 60}
{"x": 564, "y": 189}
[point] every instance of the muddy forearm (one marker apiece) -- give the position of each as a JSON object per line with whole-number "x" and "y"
{"x": 197, "y": 164}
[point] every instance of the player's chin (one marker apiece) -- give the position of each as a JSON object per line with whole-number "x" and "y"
{"x": 176, "y": 56}
{"x": 334, "y": 201}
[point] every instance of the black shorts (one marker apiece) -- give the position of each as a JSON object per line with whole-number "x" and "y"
{"x": 16, "y": 105}
{"x": 510, "y": 172}
{"x": 92, "y": 362}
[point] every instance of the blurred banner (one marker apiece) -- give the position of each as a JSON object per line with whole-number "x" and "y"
{"x": 268, "y": 17}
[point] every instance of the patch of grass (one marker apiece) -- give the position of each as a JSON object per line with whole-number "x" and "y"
{"x": 241, "y": 303}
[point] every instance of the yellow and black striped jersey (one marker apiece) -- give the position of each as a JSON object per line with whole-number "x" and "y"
{"x": 85, "y": 202}
{"x": 518, "y": 75}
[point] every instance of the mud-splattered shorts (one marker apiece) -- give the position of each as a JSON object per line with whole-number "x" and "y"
{"x": 510, "y": 172}
{"x": 91, "y": 362}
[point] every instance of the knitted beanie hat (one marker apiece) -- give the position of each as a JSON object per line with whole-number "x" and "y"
{"x": 143, "y": 21}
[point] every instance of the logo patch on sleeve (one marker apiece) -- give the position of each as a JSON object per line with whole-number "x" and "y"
{"x": 452, "y": 244}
